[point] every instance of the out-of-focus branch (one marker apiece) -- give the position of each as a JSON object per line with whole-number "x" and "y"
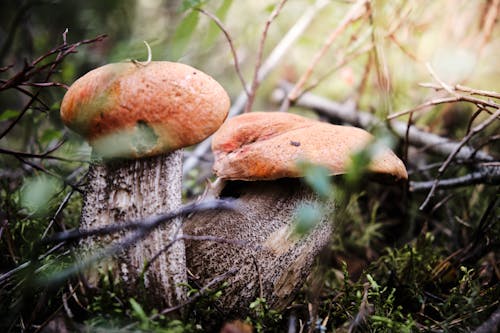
{"x": 231, "y": 46}
{"x": 30, "y": 70}
{"x": 260, "y": 53}
{"x": 454, "y": 153}
{"x": 483, "y": 176}
{"x": 141, "y": 229}
{"x": 357, "y": 11}
{"x": 45, "y": 155}
{"x": 146, "y": 224}
{"x": 22, "y": 12}
{"x": 461, "y": 88}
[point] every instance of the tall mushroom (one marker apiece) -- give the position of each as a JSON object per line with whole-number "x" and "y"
{"x": 137, "y": 118}
{"x": 257, "y": 154}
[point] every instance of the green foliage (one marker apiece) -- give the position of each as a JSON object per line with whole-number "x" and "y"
{"x": 213, "y": 30}
{"x": 306, "y": 218}
{"x": 318, "y": 178}
{"x": 183, "y": 34}
{"x": 8, "y": 114}
{"x": 402, "y": 286}
{"x": 37, "y": 194}
{"x": 263, "y": 318}
{"x": 361, "y": 159}
{"x": 190, "y": 4}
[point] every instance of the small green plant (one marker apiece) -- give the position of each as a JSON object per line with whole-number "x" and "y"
{"x": 262, "y": 317}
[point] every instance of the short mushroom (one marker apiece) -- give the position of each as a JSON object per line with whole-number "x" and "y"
{"x": 137, "y": 118}
{"x": 256, "y": 156}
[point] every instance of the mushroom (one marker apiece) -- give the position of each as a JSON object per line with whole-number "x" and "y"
{"x": 256, "y": 157}
{"x": 137, "y": 118}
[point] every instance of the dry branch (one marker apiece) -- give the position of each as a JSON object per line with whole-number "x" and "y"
{"x": 231, "y": 46}
{"x": 260, "y": 53}
{"x": 357, "y": 10}
{"x": 454, "y": 153}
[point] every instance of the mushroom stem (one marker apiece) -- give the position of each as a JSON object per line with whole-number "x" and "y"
{"x": 124, "y": 190}
{"x": 275, "y": 262}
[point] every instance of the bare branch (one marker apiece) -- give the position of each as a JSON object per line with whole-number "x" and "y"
{"x": 356, "y": 12}
{"x": 489, "y": 176}
{"x": 231, "y": 46}
{"x": 425, "y": 105}
{"x": 456, "y": 97}
{"x": 216, "y": 280}
{"x": 453, "y": 154}
{"x": 458, "y": 87}
{"x": 24, "y": 76}
{"x": 444, "y": 85}
{"x": 142, "y": 228}
{"x": 38, "y": 156}
{"x": 62, "y": 205}
{"x": 147, "y": 223}
{"x": 260, "y": 53}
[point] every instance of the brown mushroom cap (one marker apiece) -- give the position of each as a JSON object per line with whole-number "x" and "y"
{"x": 134, "y": 110}
{"x": 268, "y": 145}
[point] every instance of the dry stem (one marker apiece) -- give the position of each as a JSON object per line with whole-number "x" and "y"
{"x": 255, "y": 80}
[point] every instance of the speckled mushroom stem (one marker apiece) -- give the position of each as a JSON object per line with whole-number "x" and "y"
{"x": 275, "y": 262}
{"x": 119, "y": 191}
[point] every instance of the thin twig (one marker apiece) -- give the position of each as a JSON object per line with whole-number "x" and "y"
{"x": 444, "y": 85}
{"x": 206, "y": 238}
{"x": 34, "y": 68}
{"x": 231, "y": 46}
{"x": 469, "y": 90}
{"x": 489, "y": 176}
{"x": 45, "y": 155}
{"x": 48, "y": 172}
{"x": 466, "y": 139}
{"x": 216, "y": 280}
{"x": 142, "y": 229}
{"x": 356, "y": 11}
{"x": 260, "y": 54}
{"x": 489, "y": 24}
{"x": 340, "y": 63}
{"x": 350, "y": 55}
{"x": 456, "y": 98}
{"x": 58, "y": 211}
{"x": 425, "y": 105}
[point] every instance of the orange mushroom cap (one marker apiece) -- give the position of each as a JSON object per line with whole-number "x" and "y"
{"x": 134, "y": 110}
{"x": 268, "y": 145}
